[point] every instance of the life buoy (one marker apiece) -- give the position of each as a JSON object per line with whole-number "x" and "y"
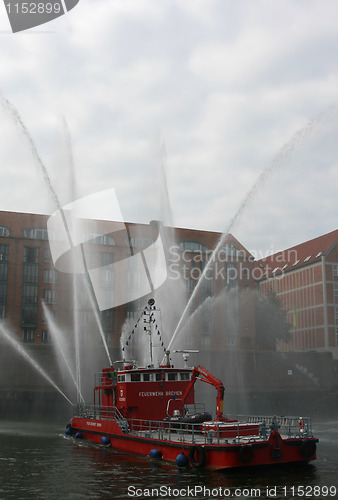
{"x": 301, "y": 425}
{"x": 308, "y": 448}
{"x": 246, "y": 453}
{"x": 197, "y": 456}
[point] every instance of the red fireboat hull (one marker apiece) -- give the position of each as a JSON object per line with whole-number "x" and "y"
{"x": 272, "y": 451}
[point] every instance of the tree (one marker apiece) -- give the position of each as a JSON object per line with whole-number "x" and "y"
{"x": 271, "y": 322}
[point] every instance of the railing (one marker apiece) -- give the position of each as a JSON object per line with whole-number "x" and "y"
{"x": 291, "y": 426}
{"x": 194, "y": 408}
{"x": 95, "y": 412}
{"x": 241, "y": 429}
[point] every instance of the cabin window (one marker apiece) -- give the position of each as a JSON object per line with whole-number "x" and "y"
{"x": 146, "y": 377}
{"x": 158, "y": 377}
{"x": 185, "y": 376}
{"x": 172, "y": 376}
{"x": 135, "y": 377}
{"x": 121, "y": 378}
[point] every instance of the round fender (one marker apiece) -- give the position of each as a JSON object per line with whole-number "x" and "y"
{"x": 197, "y": 456}
{"x": 246, "y": 453}
{"x": 308, "y": 448}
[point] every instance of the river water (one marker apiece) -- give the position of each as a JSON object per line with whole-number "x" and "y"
{"x": 37, "y": 461}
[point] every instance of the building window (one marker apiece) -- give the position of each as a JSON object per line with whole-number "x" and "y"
{"x": 192, "y": 246}
{"x": 231, "y": 251}
{"x": 46, "y": 255}
{"x": 245, "y": 273}
{"x": 336, "y": 290}
{"x": 31, "y": 273}
{"x": 336, "y": 308}
{"x": 2, "y": 310}
{"x": 140, "y": 242}
{"x": 130, "y": 313}
{"x": 207, "y": 287}
{"x": 100, "y": 239}
{"x": 3, "y": 252}
{"x": 45, "y": 337}
{"x": 3, "y": 292}
{"x": 4, "y": 231}
{"x": 50, "y": 276}
{"x": 51, "y": 314}
{"x": 27, "y": 335}
{"x": 31, "y": 255}
{"x": 107, "y": 320}
{"x": 335, "y": 270}
{"x": 29, "y": 314}
{"x": 30, "y": 294}
{"x": 232, "y": 275}
{"x": 3, "y": 271}
{"x": 50, "y": 296}
{"x": 190, "y": 284}
{"x": 36, "y": 233}
{"x": 86, "y": 318}
{"x": 106, "y": 276}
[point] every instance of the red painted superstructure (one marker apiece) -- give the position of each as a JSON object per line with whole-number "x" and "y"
{"x": 152, "y": 411}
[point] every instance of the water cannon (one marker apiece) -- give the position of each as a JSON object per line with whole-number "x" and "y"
{"x": 186, "y": 353}
{"x": 128, "y": 364}
{"x": 167, "y": 357}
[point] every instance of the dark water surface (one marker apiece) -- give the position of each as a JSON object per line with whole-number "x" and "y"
{"x": 38, "y": 462}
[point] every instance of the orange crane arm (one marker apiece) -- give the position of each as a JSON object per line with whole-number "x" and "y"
{"x": 200, "y": 373}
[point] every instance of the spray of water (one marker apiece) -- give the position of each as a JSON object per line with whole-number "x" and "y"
{"x": 281, "y": 158}
{"x": 19, "y": 122}
{"x": 9, "y": 338}
{"x": 88, "y": 285}
{"x": 60, "y": 342}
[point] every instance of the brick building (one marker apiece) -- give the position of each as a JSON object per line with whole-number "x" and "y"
{"x": 305, "y": 278}
{"x": 34, "y": 293}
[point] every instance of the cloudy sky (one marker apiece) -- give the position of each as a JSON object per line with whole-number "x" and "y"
{"x": 228, "y": 109}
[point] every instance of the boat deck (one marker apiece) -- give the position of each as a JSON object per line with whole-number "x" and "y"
{"x": 238, "y": 429}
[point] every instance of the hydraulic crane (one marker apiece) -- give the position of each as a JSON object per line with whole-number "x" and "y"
{"x": 200, "y": 373}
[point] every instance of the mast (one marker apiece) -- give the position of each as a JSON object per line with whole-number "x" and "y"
{"x": 148, "y": 329}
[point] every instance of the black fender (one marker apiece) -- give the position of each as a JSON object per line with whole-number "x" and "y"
{"x": 246, "y": 453}
{"x": 197, "y": 456}
{"x": 308, "y": 448}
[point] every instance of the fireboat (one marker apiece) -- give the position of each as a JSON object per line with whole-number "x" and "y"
{"x": 151, "y": 411}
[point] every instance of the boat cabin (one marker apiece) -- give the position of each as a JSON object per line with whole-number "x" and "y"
{"x": 145, "y": 393}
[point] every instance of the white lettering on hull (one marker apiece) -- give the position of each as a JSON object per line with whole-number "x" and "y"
{"x": 94, "y": 424}
{"x": 159, "y": 393}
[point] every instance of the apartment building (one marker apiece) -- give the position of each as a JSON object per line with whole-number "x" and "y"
{"x": 35, "y": 291}
{"x": 305, "y": 278}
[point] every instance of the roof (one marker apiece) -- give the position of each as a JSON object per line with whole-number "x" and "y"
{"x": 298, "y": 256}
